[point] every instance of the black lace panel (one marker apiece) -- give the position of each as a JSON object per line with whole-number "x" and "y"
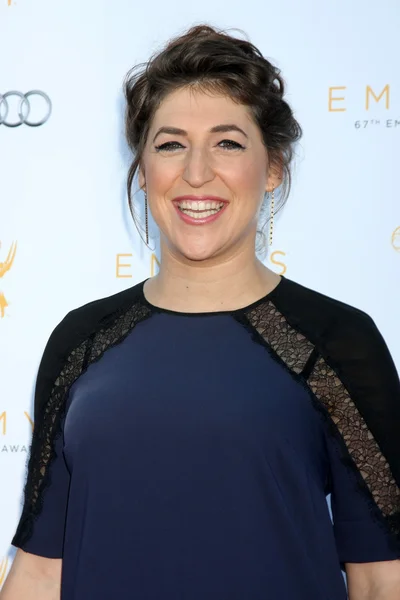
{"x": 359, "y": 441}
{"x": 290, "y": 345}
{"x": 48, "y": 420}
{"x": 357, "y": 448}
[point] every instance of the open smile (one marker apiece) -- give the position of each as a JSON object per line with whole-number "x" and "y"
{"x": 199, "y": 212}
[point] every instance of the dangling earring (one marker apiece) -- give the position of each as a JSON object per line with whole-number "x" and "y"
{"x": 271, "y": 220}
{"x": 146, "y": 218}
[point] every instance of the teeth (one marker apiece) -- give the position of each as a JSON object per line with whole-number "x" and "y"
{"x": 199, "y": 214}
{"x": 200, "y": 205}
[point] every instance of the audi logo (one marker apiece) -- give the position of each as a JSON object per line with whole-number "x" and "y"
{"x": 23, "y": 108}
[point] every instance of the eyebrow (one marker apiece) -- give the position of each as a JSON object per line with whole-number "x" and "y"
{"x": 216, "y": 129}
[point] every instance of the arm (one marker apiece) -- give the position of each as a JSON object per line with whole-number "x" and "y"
{"x": 33, "y": 577}
{"x": 35, "y": 573}
{"x": 374, "y": 580}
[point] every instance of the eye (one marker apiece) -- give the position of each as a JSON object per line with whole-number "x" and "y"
{"x": 168, "y": 146}
{"x": 233, "y": 145}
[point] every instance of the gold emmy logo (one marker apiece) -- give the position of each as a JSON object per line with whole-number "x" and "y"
{"x": 4, "y": 267}
{"x": 154, "y": 261}
{"x": 3, "y": 421}
{"x": 119, "y": 265}
{"x": 155, "y": 264}
{"x": 396, "y": 239}
{"x": 368, "y": 93}
{"x": 3, "y": 570}
{"x": 276, "y": 262}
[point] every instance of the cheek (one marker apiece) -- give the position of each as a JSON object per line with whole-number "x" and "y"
{"x": 160, "y": 174}
{"x": 247, "y": 177}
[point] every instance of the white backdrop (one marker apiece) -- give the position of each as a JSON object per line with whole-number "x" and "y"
{"x": 64, "y": 223}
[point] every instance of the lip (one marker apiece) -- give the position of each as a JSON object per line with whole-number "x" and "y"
{"x": 192, "y": 221}
{"x": 191, "y": 197}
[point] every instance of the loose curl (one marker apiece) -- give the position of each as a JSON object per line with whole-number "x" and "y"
{"x": 210, "y": 60}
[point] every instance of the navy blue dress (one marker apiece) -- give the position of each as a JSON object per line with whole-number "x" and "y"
{"x": 192, "y": 459}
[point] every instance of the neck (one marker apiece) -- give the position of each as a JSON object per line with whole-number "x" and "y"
{"x": 196, "y": 286}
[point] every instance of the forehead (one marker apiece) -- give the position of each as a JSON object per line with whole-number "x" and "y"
{"x": 188, "y": 105}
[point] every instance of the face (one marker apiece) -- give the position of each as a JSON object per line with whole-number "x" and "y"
{"x": 227, "y": 171}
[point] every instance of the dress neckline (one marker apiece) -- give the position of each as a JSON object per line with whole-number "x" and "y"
{"x": 269, "y": 296}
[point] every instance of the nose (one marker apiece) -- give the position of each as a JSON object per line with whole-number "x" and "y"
{"x": 198, "y": 170}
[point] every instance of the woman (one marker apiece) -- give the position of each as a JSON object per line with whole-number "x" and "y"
{"x": 188, "y": 429}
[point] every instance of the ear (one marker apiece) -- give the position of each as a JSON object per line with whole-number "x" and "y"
{"x": 141, "y": 179}
{"x": 275, "y": 176}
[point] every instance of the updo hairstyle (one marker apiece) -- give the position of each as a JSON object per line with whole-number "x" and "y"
{"x": 212, "y": 61}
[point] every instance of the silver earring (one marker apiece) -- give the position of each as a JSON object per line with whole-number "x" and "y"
{"x": 146, "y": 217}
{"x": 271, "y": 220}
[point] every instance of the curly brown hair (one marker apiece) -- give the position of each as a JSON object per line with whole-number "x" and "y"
{"x": 213, "y": 61}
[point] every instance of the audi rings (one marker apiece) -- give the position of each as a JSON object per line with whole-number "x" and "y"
{"x": 24, "y": 109}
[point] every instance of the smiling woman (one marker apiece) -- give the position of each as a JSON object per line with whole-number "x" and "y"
{"x": 200, "y": 87}
{"x": 189, "y": 429}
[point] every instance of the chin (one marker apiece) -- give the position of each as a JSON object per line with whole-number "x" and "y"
{"x": 195, "y": 254}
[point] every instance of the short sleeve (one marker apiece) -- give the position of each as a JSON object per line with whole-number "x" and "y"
{"x": 358, "y": 383}
{"x": 42, "y": 522}
{"x": 360, "y": 535}
{"x": 47, "y": 537}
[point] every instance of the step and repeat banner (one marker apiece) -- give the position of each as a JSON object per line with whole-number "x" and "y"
{"x": 66, "y": 235}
